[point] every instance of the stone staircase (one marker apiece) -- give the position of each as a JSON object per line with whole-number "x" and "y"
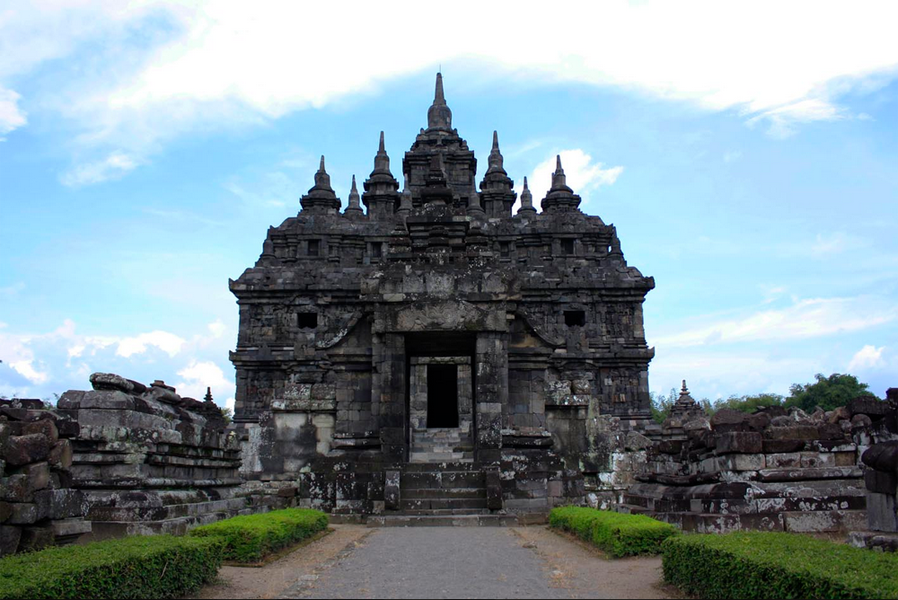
{"x": 437, "y": 445}
{"x": 443, "y": 494}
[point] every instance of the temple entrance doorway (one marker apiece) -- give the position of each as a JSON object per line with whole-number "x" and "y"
{"x": 442, "y": 396}
{"x": 441, "y": 400}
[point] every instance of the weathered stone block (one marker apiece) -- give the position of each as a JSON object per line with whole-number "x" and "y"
{"x": 24, "y": 449}
{"x": 62, "y": 455}
{"x": 9, "y": 539}
{"x": 44, "y": 427}
{"x": 868, "y": 405}
{"x": 727, "y": 419}
{"x": 36, "y": 538}
{"x": 740, "y": 442}
{"x": 881, "y": 512}
{"x": 881, "y": 482}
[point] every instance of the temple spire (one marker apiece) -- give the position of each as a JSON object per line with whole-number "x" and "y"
{"x": 321, "y": 196}
{"x": 438, "y": 97}
{"x": 474, "y": 207}
{"x": 560, "y": 196}
{"x": 355, "y": 205}
{"x": 526, "y": 200}
{"x": 496, "y": 161}
{"x": 381, "y": 188}
{"x": 438, "y": 115}
{"x": 559, "y": 179}
{"x": 405, "y": 199}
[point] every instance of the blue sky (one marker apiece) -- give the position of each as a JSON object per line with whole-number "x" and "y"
{"x": 746, "y": 152}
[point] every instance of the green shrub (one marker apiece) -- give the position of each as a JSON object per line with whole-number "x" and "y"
{"x": 250, "y": 538}
{"x": 134, "y": 567}
{"x": 777, "y": 565}
{"x": 615, "y": 533}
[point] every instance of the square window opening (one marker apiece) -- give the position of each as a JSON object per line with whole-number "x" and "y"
{"x": 308, "y": 320}
{"x": 567, "y": 246}
{"x": 314, "y": 246}
{"x": 574, "y": 318}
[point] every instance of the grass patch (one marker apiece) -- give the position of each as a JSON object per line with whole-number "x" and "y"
{"x": 251, "y": 538}
{"x": 616, "y": 534}
{"x": 134, "y": 567}
{"x": 777, "y": 565}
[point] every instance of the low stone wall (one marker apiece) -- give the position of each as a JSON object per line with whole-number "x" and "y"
{"x": 38, "y": 506}
{"x": 775, "y": 470}
{"x": 150, "y": 461}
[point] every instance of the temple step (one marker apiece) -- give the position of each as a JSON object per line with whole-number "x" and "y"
{"x": 435, "y": 504}
{"x": 443, "y": 493}
{"x": 430, "y": 520}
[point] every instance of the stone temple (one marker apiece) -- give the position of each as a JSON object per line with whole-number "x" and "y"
{"x": 436, "y": 332}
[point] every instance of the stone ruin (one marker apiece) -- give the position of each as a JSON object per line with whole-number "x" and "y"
{"x": 774, "y": 470}
{"x": 39, "y": 506}
{"x": 149, "y": 461}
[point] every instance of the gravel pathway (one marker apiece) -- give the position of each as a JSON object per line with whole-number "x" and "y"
{"x": 470, "y": 562}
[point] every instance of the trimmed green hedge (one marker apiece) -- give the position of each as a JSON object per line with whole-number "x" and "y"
{"x": 616, "y": 533}
{"x": 134, "y": 567}
{"x": 777, "y": 565}
{"x": 250, "y": 538}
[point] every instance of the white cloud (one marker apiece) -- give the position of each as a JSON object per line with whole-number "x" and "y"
{"x": 168, "y": 67}
{"x": 11, "y": 116}
{"x": 40, "y": 364}
{"x": 199, "y": 375}
{"x": 581, "y": 172}
{"x": 804, "y": 319}
{"x": 217, "y": 328}
{"x": 114, "y": 166}
{"x": 167, "y": 342}
{"x": 830, "y": 244}
{"x": 868, "y": 357}
{"x": 26, "y": 369}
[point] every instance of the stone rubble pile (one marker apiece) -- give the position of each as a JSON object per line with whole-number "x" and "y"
{"x": 38, "y": 506}
{"x": 774, "y": 470}
{"x": 150, "y": 461}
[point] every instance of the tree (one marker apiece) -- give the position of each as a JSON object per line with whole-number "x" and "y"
{"x": 749, "y": 404}
{"x": 827, "y": 392}
{"x": 662, "y": 404}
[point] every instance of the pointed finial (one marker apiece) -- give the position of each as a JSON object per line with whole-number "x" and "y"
{"x": 355, "y": 204}
{"x": 438, "y": 115}
{"x": 474, "y": 205}
{"x": 438, "y": 97}
{"x": 559, "y": 179}
{"x": 321, "y": 166}
{"x": 381, "y": 159}
{"x": 684, "y": 390}
{"x": 208, "y": 397}
{"x": 526, "y": 200}
{"x": 495, "y": 140}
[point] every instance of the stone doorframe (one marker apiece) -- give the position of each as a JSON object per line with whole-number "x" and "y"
{"x": 418, "y": 392}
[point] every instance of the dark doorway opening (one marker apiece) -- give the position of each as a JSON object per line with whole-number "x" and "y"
{"x": 442, "y": 395}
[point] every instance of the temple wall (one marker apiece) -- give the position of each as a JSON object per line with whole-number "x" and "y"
{"x": 149, "y": 461}
{"x": 774, "y": 470}
{"x": 38, "y": 505}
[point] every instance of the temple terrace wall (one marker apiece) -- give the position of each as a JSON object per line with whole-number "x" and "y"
{"x": 774, "y": 470}
{"x": 38, "y": 506}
